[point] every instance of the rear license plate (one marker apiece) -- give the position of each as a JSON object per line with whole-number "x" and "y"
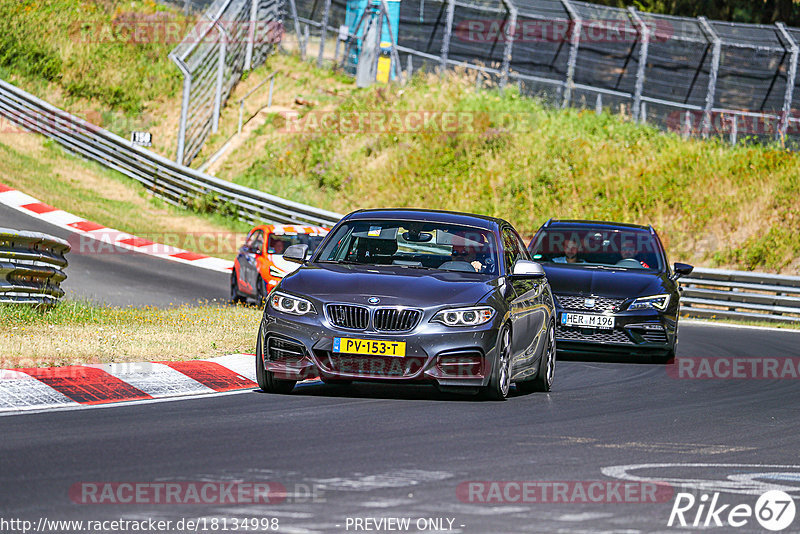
{"x": 587, "y": 321}
{"x": 372, "y": 347}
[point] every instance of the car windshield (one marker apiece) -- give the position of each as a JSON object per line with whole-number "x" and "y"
{"x": 413, "y": 244}
{"x": 278, "y": 244}
{"x": 598, "y": 248}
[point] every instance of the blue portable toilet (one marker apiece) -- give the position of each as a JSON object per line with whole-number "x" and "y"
{"x": 371, "y": 11}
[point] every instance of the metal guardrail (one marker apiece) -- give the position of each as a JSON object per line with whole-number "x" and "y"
{"x": 712, "y": 293}
{"x": 31, "y": 267}
{"x": 170, "y": 181}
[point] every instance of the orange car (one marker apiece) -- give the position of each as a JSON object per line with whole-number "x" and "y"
{"x": 259, "y": 265}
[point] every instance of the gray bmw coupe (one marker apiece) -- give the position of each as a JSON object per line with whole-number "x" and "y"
{"x": 413, "y": 296}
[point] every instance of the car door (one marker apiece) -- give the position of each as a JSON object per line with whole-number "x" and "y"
{"x": 527, "y": 311}
{"x": 252, "y": 254}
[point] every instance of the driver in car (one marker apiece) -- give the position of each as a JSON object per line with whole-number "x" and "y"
{"x": 628, "y": 251}
{"x": 570, "y": 253}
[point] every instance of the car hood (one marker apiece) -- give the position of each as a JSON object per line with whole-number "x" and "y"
{"x": 605, "y": 283}
{"x": 393, "y": 285}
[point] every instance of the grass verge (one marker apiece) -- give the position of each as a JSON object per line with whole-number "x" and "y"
{"x": 78, "y": 332}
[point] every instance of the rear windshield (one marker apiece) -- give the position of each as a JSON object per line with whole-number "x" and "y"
{"x": 582, "y": 247}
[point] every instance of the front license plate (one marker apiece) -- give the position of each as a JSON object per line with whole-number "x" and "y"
{"x": 373, "y": 347}
{"x": 587, "y": 321}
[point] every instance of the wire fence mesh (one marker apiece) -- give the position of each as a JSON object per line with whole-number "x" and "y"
{"x": 232, "y": 36}
{"x": 688, "y": 75}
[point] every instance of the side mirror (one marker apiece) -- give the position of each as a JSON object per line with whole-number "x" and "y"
{"x": 296, "y": 253}
{"x": 681, "y": 269}
{"x": 527, "y": 269}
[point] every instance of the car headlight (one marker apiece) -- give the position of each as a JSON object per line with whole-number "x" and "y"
{"x": 657, "y": 302}
{"x": 289, "y": 304}
{"x": 472, "y": 316}
{"x": 277, "y": 273}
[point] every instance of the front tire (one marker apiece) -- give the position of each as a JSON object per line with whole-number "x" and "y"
{"x": 500, "y": 381}
{"x": 266, "y": 379}
{"x": 547, "y": 367}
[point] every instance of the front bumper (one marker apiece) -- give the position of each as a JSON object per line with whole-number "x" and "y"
{"x": 637, "y": 332}
{"x": 301, "y": 348}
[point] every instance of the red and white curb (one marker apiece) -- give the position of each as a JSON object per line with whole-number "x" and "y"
{"x": 109, "y": 236}
{"x": 44, "y": 389}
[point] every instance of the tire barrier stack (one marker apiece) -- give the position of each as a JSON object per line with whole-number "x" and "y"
{"x": 31, "y": 267}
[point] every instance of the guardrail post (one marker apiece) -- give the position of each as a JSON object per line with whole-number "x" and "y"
{"x": 791, "y": 77}
{"x": 223, "y": 45}
{"x": 323, "y": 33}
{"x": 712, "y": 76}
{"x": 598, "y": 104}
{"x": 509, "y": 31}
{"x": 643, "y": 113}
{"x": 448, "y": 31}
{"x": 574, "y": 45}
{"x": 251, "y": 35}
{"x": 644, "y": 43}
{"x": 734, "y": 128}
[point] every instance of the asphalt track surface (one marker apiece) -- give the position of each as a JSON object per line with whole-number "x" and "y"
{"x": 126, "y": 278}
{"x": 370, "y": 451}
{"x": 402, "y": 451}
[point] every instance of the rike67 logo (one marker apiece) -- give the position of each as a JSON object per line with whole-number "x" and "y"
{"x": 774, "y": 510}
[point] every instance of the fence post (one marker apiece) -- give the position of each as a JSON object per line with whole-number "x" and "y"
{"x": 712, "y": 77}
{"x": 574, "y": 44}
{"x": 644, "y": 35}
{"x": 687, "y": 124}
{"x": 223, "y": 46}
{"x": 410, "y": 67}
{"x": 323, "y": 33}
{"x": 509, "y": 32}
{"x": 251, "y": 35}
{"x": 448, "y": 31}
{"x": 300, "y": 43}
{"x": 187, "y": 89}
{"x": 790, "y": 81}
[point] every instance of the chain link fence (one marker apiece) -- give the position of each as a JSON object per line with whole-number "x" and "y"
{"x": 695, "y": 77}
{"x": 231, "y": 36}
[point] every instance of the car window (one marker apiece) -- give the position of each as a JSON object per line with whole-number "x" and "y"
{"x": 413, "y": 244}
{"x": 512, "y": 249}
{"x": 277, "y": 244}
{"x": 257, "y": 244}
